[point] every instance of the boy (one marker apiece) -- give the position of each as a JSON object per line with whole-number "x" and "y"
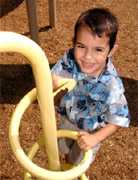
{"x": 96, "y": 107}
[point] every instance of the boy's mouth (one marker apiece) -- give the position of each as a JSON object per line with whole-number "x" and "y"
{"x": 87, "y": 64}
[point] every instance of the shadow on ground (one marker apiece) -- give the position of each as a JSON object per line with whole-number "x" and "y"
{"x": 17, "y": 80}
{"x": 8, "y": 5}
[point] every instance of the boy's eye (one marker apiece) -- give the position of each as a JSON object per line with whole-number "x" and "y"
{"x": 80, "y": 46}
{"x": 99, "y": 49}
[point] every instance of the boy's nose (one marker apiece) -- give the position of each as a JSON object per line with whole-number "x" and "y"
{"x": 89, "y": 56}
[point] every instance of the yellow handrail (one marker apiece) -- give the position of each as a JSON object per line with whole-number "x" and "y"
{"x": 10, "y": 41}
{"x": 14, "y": 42}
{"x": 25, "y": 161}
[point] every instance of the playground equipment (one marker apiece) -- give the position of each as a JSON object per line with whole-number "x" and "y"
{"x": 31, "y": 6}
{"x": 32, "y": 17}
{"x": 14, "y": 42}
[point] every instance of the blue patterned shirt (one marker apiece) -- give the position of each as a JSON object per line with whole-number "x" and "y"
{"x": 94, "y": 101}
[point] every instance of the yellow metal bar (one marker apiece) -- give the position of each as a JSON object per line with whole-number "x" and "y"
{"x": 14, "y": 42}
{"x": 17, "y": 43}
{"x": 25, "y": 161}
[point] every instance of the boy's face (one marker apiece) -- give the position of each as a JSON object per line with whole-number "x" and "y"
{"x": 91, "y": 52}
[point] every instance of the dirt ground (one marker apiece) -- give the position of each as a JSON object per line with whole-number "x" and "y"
{"x": 118, "y": 156}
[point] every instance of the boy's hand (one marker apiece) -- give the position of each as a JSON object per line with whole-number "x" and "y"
{"x": 86, "y": 141}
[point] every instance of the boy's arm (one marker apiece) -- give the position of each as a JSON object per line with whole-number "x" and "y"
{"x": 56, "y": 81}
{"x": 61, "y": 83}
{"x": 87, "y": 141}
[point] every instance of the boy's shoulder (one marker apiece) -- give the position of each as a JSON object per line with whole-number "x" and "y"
{"x": 109, "y": 71}
{"x": 70, "y": 53}
{"x": 111, "y": 78}
{"x": 110, "y": 68}
{"x": 68, "y": 56}
{"x": 65, "y": 66}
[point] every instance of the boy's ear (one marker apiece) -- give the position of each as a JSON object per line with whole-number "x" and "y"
{"x": 113, "y": 50}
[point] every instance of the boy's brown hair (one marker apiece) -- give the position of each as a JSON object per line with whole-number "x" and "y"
{"x": 100, "y": 21}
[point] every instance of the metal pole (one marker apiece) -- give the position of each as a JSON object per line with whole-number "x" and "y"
{"x": 52, "y": 12}
{"x": 32, "y": 19}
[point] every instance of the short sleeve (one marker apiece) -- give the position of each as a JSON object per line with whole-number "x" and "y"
{"x": 118, "y": 112}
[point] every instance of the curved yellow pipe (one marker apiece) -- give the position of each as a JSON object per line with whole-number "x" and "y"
{"x": 25, "y": 161}
{"x": 13, "y": 42}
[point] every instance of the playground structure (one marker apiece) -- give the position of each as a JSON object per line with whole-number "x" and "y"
{"x": 13, "y": 42}
{"x": 31, "y": 8}
{"x": 32, "y": 17}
